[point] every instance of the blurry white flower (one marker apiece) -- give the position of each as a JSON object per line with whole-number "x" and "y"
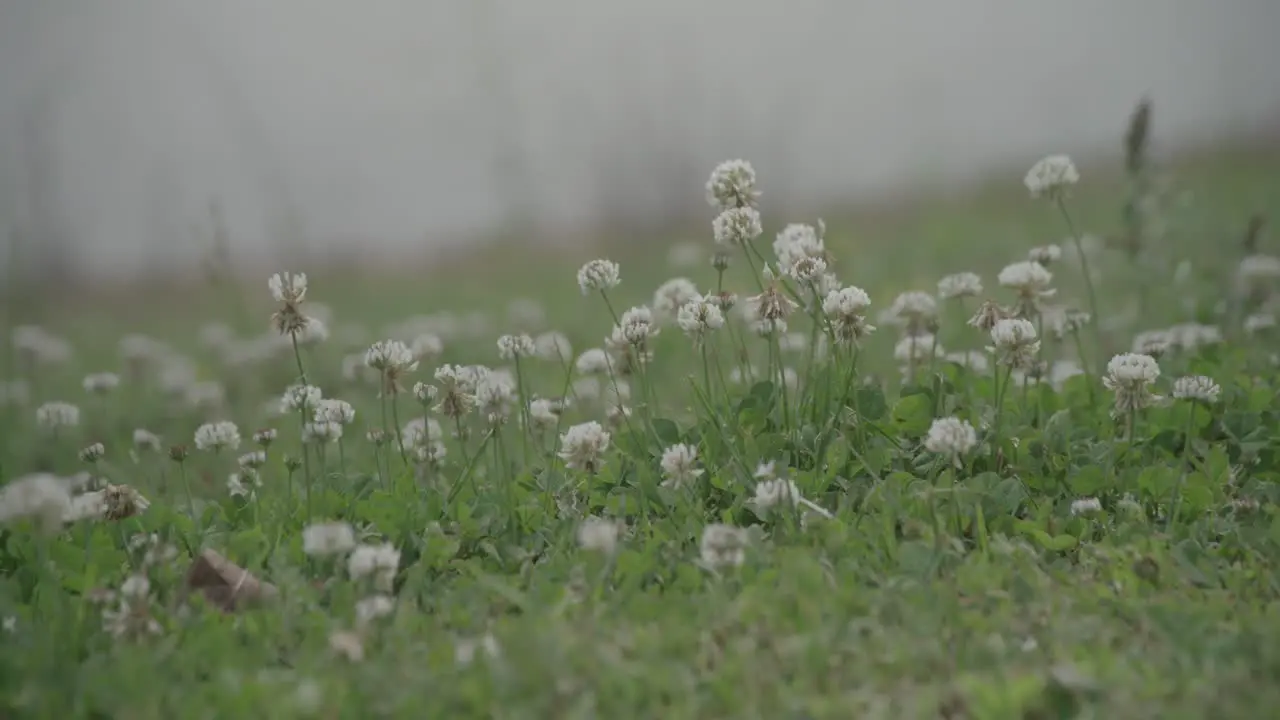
{"x": 723, "y": 546}
{"x": 599, "y": 275}
{"x": 915, "y": 311}
{"x": 1030, "y": 280}
{"x": 593, "y": 362}
{"x": 916, "y": 348}
{"x": 1189, "y": 336}
{"x": 1086, "y": 506}
{"x": 796, "y": 242}
{"x": 1051, "y": 177}
{"x": 425, "y": 393}
{"x": 93, "y": 453}
{"x": 376, "y": 561}
{"x": 426, "y": 345}
{"x": 392, "y": 359}
{"x": 511, "y": 347}
{"x": 217, "y": 436}
{"x": 299, "y": 398}
{"x": 634, "y": 330}
{"x": 205, "y": 394}
{"x": 952, "y": 437}
{"x": 42, "y": 497}
{"x": 420, "y": 432}
{"x": 1152, "y": 342}
{"x": 312, "y": 332}
{"x": 288, "y": 287}
{"x": 1045, "y": 255}
{"x": 1259, "y": 322}
{"x": 544, "y": 413}
{"x": 1198, "y": 388}
{"x": 252, "y": 460}
{"x": 36, "y": 346}
{"x": 732, "y": 185}
{"x": 680, "y": 465}
{"x": 321, "y": 432}
{"x": 146, "y": 440}
{"x": 553, "y": 346}
{"x": 959, "y": 285}
{"x": 770, "y": 493}
{"x": 494, "y": 395}
{"x": 598, "y": 535}
{"x": 674, "y": 294}
{"x": 101, "y": 383}
{"x": 54, "y": 415}
{"x": 373, "y": 607}
{"x": 465, "y": 651}
{"x": 582, "y": 446}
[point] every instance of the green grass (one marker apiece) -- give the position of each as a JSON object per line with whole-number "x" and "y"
{"x": 932, "y": 592}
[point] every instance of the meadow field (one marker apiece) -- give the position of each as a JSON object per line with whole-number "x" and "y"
{"x": 1008, "y": 452}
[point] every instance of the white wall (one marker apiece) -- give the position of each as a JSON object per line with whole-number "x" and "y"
{"x": 395, "y": 120}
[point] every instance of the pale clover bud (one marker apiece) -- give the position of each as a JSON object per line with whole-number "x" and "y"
{"x": 511, "y": 347}
{"x": 1051, "y": 177}
{"x": 732, "y": 185}
{"x": 736, "y": 226}
{"x": 599, "y": 275}
{"x": 951, "y": 437}
{"x": 959, "y": 285}
{"x": 680, "y": 465}
{"x": 1197, "y": 388}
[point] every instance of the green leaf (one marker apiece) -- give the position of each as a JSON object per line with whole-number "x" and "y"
{"x": 666, "y": 430}
{"x": 913, "y": 414}
{"x": 1089, "y": 480}
{"x": 870, "y": 402}
{"x": 1158, "y": 481}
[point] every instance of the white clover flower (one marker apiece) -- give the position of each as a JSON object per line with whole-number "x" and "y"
{"x": 582, "y": 446}
{"x": 420, "y": 432}
{"x": 146, "y": 440}
{"x": 700, "y": 316}
{"x": 732, "y": 185}
{"x": 328, "y": 538}
{"x": 634, "y": 330}
{"x": 599, "y": 535}
{"x": 1197, "y": 388}
{"x": 334, "y": 411}
{"x": 378, "y": 562}
{"x": 374, "y": 607}
{"x": 101, "y": 383}
{"x": 1259, "y": 322}
{"x": 723, "y": 546}
{"x": 736, "y": 226}
{"x": 426, "y": 345}
{"x": 44, "y": 498}
{"x": 1051, "y": 177}
{"x": 916, "y": 311}
{"x": 1129, "y": 376}
{"x": 390, "y": 356}
{"x": 495, "y": 394}
{"x": 1045, "y": 255}
{"x": 593, "y": 362}
{"x": 425, "y": 393}
{"x": 54, "y": 415}
{"x": 680, "y": 465}
{"x": 959, "y": 285}
{"x": 544, "y": 413}
{"x": 265, "y": 436}
{"x": 1086, "y": 506}
{"x": 796, "y": 242}
{"x": 774, "y": 492}
{"x": 252, "y": 460}
{"x": 674, "y": 294}
{"x": 218, "y": 436}
{"x": 288, "y": 287}
{"x": 1015, "y": 342}
{"x": 1030, "y": 280}
{"x": 599, "y": 275}
{"x": 553, "y": 347}
{"x": 511, "y": 347}
{"x": 846, "y": 310}
{"x": 916, "y": 348}
{"x": 320, "y": 432}
{"x": 951, "y": 436}
{"x": 808, "y": 272}
{"x": 300, "y": 398}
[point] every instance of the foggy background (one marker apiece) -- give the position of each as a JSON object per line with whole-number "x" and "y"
{"x": 401, "y": 125}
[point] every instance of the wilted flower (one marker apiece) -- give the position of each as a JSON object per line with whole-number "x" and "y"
{"x": 289, "y": 290}
{"x": 393, "y": 359}
{"x": 299, "y": 398}
{"x": 916, "y": 312}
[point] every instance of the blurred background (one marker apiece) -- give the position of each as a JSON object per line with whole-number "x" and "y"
{"x": 134, "y": 131}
